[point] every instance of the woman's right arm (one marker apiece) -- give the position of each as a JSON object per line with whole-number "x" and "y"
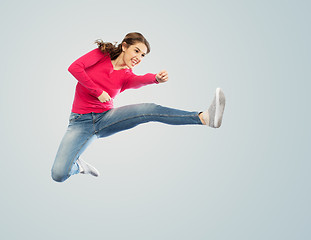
{"x": 77, "y": 69}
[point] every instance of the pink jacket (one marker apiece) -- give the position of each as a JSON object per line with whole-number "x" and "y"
{"x": 95, "y": 74}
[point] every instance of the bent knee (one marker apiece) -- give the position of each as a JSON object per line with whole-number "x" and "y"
{"x": 59, "y": 176}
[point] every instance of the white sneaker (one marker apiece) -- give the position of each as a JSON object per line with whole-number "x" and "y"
{"x": 86, "y": 168}
{"x": 213, "y": 116}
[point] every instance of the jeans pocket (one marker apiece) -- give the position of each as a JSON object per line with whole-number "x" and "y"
{"x": 74, "y": 116}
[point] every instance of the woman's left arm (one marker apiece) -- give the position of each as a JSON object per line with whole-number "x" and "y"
{"x": 137, "y": 81}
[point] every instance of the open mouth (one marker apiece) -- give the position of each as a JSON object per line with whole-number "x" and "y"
{"x": 134, "y": 62}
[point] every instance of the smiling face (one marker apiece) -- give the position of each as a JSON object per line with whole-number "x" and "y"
{"x": 134, "y": 54}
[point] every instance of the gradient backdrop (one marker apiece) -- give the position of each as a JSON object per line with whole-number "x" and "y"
{"x": 249, "y": 180}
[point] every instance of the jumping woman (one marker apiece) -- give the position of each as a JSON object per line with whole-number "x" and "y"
{"x": 102, "y": 74}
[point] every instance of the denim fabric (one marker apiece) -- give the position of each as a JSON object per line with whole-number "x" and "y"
{"x": 84, "y": 128}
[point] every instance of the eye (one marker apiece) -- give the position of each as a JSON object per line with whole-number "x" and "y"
{"x": 143, "y": 55}
{"x": 136, "y": 51}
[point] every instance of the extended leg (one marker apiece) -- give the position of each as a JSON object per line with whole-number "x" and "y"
{"x": 119, "y": 119}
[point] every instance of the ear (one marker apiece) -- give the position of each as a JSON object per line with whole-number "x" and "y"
{"x": 124, "y": 46}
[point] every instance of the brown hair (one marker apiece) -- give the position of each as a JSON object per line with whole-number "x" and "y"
{"x": 130, "y": 39}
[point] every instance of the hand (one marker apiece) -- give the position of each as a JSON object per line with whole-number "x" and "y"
{"x": 162, "y": 76}
{"x": 104, "y": 97}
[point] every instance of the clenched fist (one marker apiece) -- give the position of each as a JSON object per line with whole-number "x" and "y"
{"x": 162, "y": 76}
{"x": 104, "y": 97}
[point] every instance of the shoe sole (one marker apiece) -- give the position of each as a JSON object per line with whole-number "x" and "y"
{"x": 94, "y": 172}
{"x": 220, "y": 107}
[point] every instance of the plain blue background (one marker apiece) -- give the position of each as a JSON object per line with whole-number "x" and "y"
{"x": 250, "y": 179}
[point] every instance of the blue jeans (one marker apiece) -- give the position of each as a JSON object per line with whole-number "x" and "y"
{"x": 84, "y": 128}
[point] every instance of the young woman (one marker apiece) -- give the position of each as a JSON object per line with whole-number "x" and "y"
{"x": 102, "y": 74}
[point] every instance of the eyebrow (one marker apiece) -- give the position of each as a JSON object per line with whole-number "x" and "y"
{"x": 140, "y": 50}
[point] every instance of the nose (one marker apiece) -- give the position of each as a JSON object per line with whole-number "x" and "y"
{"x": 138, "y": 58}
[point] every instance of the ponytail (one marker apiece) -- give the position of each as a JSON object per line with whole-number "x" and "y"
{"x": 107, "y": 47}
{"x": 115, "y": 50}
